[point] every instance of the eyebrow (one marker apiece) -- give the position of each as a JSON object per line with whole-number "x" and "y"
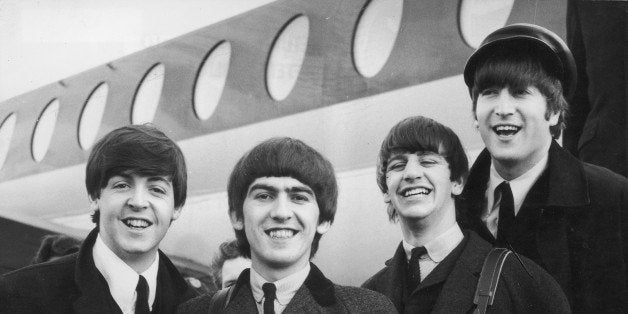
{"x": 292, "y": 189}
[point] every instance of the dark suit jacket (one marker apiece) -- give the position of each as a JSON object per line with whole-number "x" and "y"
{"x": 517, "y": 291}
{"x": 573, "y": 223}
{"x": 317, "y": 295}
{"x": 73, "y": 284}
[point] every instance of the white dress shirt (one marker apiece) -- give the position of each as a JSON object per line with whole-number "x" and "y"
{"x": 520, "y": 187}
{"x": 437, "y": 249}
{"x": 121, "y": 278}
{"x": 286, "y": 288}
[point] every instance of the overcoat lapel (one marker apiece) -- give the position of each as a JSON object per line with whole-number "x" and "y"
{"x": 316, "y": 293}
{"x": 95, "y": 296}
{"x": 395, "y": 277}
{"x": 242, "y": 300}
{"x": 171, "y": 288}
{"x": 459, "y": 288}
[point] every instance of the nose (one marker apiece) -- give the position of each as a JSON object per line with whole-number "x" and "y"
{"x": 412, "y": 171}
{"x": 505, "y": 104}
{"x": 281, "y": 209}
{"x": 138, "y": 199}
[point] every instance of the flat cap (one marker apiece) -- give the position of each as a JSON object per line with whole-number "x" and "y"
{"x": 553, "y": 53}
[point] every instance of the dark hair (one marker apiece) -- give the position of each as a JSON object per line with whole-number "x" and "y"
{"x": 55, "y": 246}
{"x": 226, "y": 251}
{"x": 136, "y": 149}
{"x": 283, "y": 157}
{"x": 517, "y": 70}
{"x": 421, "y": 134}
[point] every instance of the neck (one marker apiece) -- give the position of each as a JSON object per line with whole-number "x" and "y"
{"x": 512, "y": 169}
{"x": 139, "y": 263}
{"x": 274, "y": 272}
{"x": 419, "y": 232}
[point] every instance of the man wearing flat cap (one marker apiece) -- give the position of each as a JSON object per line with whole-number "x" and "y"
{"x": 525, "y": 192}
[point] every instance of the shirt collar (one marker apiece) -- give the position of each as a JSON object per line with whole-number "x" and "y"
{"x": 286, "y": 287}
{"x": 439, "y": 247}
{"x": 519, "y": 186}
{"x": 121, "y": 278}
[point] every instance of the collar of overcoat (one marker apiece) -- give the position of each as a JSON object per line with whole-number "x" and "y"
{"x": 95, "y": 296}
{"x": 317, "y": 291}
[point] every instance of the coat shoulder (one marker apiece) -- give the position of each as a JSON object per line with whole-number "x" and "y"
{"x": 362, "y": 300}
{"x": 199, "y": 304}
{"x": 49, "y": 273}
{"x": 29, "y": 288}
{"x": 373, "y": 282}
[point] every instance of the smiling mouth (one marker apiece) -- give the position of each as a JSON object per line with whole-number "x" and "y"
{"x": 277, "y": 233}
{"x": 415, "y": 191}
{"x": 137, "y": 223}
{"x": 506, "y": 129}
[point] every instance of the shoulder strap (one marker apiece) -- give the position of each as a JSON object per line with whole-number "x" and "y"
{"x": 487, "y": 285}
{"x": 220, "y": 300}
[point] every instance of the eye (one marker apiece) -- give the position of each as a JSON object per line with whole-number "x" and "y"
{"x": 158, "y": 189}
{"x": 263, "y": 196}
{"x": 520, "y": 92}
{"x": 120, "y": 185}
{"x": 428, "y": 162}
{"x": 301, "y": 198}
{"x": 396, "y": 166}
{"x": 489, "y": 92}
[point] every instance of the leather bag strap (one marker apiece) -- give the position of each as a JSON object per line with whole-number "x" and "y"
{"x": 487, "y": 285}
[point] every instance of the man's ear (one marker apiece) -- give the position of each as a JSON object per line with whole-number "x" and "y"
{"x": 553, "y": 118}
{"x": 323, "y": 227}
{"x": 93, "y": 204}
{"x": 386, "y": 198}
{"x": 457, "y": 186}
{"x": 235, "y": 221}
{"x": 176, "y": 213}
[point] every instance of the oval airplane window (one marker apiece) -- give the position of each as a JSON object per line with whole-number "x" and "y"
{"x": 148, "y": 94}
{"x": 286, "y": 57}
{"x": 211, "y": 80}
{"x": 44, "y": 129}
{"x": 6, "y": 133}
{"x": 92, "y": 116}
{"x": 375, "y": 35}
{"x": 479, "y": 18}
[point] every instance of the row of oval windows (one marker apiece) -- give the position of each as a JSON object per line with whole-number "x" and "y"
{"x": 374, "y": 38}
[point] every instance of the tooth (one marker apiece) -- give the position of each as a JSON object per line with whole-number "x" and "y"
{"x": 281, "y": 233}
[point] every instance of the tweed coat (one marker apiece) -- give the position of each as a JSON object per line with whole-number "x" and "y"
{"x": 73, "y": 284}
{"x": 523, "y": 286}
{"x": 579, "y": 229}
{"x": 317, "y": 295}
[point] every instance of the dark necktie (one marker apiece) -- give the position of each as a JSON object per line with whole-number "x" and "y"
{"x": 141, "y": 304}
{"x": 414, "y": 269}
{"x": 269, "y": 297}
{"x": 506, "y": 221}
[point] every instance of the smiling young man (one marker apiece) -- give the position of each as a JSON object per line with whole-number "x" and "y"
{"x": 422, "y": 168}
{"x": 282, "y": 199}
{"x": 527, "y": 193}
{"x": 136, "y": 180}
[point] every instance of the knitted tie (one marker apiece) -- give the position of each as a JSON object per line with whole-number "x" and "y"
{"x": 414, "y": 269}
{"x": 506, "y": 222}
{"x": 269, "y": 297}
{"x": 141, "y": 304}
